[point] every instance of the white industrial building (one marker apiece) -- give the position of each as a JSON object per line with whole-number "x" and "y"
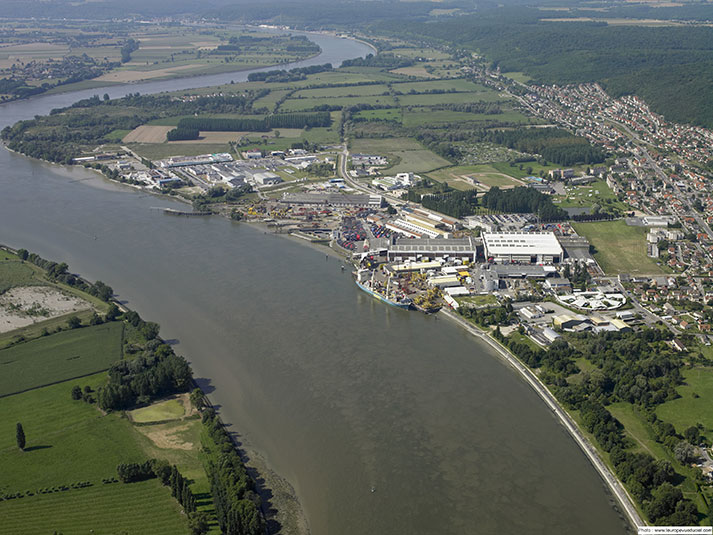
{"x": 421, "y": 249}
{"x": 525, "y": 248}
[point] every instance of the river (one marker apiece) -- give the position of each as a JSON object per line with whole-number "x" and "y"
{"x": 384, "y": 421}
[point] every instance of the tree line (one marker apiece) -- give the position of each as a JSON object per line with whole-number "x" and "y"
{"x": 292, "y": 75}
{"x": 236, "y": 503}
{"x": 59, "y": 272}
{"x": 283, "y": 120}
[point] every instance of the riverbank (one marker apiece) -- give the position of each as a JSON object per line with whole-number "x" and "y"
{"x": 617, "y": 489}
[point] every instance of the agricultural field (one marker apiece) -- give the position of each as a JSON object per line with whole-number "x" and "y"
{"x": 114, "y": 508}
{"x": 70, "y": 441}
{"x": 343, "y": 91}
{"x": 426, "y": 99}
{"x": 414, "y": 117}
{"x": 303, "y": 104}
{"x": 388, "y": 114}
{"x": 619, "y": 247}
{"x": 457, "y": 84}
{"x": 62, "y": 356}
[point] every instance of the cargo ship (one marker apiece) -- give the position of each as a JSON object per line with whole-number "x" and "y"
{"x": 367, "y": 284}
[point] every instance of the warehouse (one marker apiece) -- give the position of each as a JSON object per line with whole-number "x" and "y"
{"x": 333, "y": 199}
{"x": 525, "y": 248}
{"x": 420, "y": 249}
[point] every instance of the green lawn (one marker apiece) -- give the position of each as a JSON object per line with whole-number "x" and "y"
{"x": 171, "y": 409}
{"x": 134, "y": 508}
{"x": 515, "y": 171}
{"x": 620, "y": 248}
{"x": 59, "y": 357}
{"x": 689, "y": 410}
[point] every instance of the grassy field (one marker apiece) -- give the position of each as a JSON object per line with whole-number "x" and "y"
{"x": 171, "y": 409}
{"x": 457, "y": 84}
{"x": 485, "y": 174}
{"x": 59, "y": 357}
{"x": 345, "y": 91}
{"x": 515, "y": 171}
{"x": 426, "y": 116}
{"x": 157, "y": 151}
{"x": 14, "y": 272}
{"x": 302, "y": 104}
{"x": 408, "y": 154}
{"x": 388, "y": 114}
{"x": 586, "y": 196}
{"x": 380, "y": 146}
{"x": 694, "y": 405}
{"x": 116, "y": 508}
{"x": 620, "y": 248}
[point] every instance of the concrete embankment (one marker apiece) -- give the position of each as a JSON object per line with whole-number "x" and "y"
{"x": 617, "y": 489}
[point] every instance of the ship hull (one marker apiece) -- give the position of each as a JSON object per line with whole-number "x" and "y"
{"x": 382, "y": 298}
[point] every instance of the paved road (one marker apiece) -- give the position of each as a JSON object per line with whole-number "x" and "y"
{"x": 627, "y": 504}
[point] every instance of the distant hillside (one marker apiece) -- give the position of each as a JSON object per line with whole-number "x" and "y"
{"x": 671, "y": 67}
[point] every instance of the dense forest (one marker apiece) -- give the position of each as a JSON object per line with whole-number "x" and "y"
{"x": 671, "y": 67}
{"x": 454, "y": 203}
{"x": 523, "y": 200}
{"x": 553, "y": 144}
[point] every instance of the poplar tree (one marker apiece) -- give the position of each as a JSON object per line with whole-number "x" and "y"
{"x": 20, "y": 435}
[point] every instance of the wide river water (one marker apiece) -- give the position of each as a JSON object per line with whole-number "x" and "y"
{"x": 337, "y": 392}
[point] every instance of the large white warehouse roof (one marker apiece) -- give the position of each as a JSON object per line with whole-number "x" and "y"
{"x": 521, "y": 243}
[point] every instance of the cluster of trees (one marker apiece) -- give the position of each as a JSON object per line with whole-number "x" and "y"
{"x": 157, "y": 372}
{"x": 168, "y": 474}
{"x": 553, "y": 144}
{"x": 130, "y": 46}
{"x": 283, "y": 120}
{"x": 59, "y": 272}
{"x": 219, "y": 194}
{"x": 386, "y": 61}
{"x": 182, "y": 133}
{"x": 236, "y": 503}
{"x": 454, "y": 203}
{"x": 293, "y": 75}
{"x": 521, "y": 200}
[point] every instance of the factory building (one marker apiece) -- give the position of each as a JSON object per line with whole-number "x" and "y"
{"x": 420, "y": 249}
{"x": 333, "y": 199}
{"x": 523, "y": 248}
